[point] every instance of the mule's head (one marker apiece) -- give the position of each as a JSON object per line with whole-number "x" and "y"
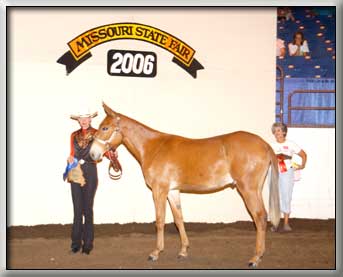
{"x": 108, "y": 136}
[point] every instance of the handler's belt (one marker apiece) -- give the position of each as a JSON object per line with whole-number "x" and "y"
{"x": 82, "y": 161}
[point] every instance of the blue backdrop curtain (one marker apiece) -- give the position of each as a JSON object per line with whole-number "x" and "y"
{"x": 309, "y": 117}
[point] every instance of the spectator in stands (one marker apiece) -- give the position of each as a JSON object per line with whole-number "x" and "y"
{"x": 280, "y": 48}
{"x": 285, "y": 14}
{"x": 299, "y": 46}
{"x": 284, "y": 150}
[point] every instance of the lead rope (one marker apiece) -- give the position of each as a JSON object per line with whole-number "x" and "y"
{"x": 115, "y": 164}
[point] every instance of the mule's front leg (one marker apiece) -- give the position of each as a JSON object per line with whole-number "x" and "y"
{"x": 160, "y": 199}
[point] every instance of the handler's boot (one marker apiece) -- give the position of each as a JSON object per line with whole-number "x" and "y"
{"x": 74, "y": 250}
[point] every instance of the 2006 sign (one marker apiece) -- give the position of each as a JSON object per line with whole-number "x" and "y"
{"x": 131, "y": 63}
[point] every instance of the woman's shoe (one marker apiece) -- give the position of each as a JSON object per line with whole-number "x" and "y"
{"x": 86, "y": 250}
{"x": 74, "y": 250}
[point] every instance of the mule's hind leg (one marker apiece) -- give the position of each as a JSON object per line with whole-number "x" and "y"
{"x": 160, "y": 200}
{"x": 254, "y": 203}
{"x": 175, "y": 205}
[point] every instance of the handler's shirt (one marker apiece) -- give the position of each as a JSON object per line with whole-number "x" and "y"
{"x": 81, "y": 141}
{"x": 288, "y": 148}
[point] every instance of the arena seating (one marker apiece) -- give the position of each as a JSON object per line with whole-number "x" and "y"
{"x": 320, "y": 32}
{"x": 315, "y": 72}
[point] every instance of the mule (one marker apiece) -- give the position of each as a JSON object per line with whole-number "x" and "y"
{"x": 172, "y": 164}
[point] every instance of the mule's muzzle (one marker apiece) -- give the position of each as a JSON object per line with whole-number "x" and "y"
{"x": 96, "y": 152}
{"x": 95, "y": 156}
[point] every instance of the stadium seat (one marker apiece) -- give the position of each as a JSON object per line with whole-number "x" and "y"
{"x": 319, "y": 29}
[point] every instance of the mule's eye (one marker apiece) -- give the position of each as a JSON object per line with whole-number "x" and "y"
{"x": 104, "y": 128}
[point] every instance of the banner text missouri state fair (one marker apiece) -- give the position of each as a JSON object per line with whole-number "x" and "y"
{"x": 81, "y": 45}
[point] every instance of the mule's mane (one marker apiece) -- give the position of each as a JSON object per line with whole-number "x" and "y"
{"x": 148, "y": 128}
{"x": 141, "y": 124}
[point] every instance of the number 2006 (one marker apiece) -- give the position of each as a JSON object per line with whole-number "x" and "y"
{"x": 131, "y": 63}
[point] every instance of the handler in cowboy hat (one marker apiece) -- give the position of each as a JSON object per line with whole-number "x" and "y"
{"x": 82, "y": 235}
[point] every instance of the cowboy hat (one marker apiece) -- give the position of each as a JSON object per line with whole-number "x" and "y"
{"x": 84, "y": 113}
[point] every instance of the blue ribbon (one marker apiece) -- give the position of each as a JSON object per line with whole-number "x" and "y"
{"x": 69, "y": 167}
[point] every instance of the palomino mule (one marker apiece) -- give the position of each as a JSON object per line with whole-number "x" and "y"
{"x": 172, "y": 164}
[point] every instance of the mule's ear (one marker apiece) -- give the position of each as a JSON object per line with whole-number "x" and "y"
{"x": 108, "y": 110}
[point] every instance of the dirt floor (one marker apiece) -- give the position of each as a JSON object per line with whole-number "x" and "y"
{"x": 311, "y": 245}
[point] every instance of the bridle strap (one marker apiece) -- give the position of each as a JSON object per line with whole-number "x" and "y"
{"x": 106, "y": 143}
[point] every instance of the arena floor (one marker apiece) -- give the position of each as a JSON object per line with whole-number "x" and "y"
{"x": 311, "y": 245}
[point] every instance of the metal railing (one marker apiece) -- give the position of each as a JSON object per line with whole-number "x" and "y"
{"x": 306, "y": 108}
{"x": 281, "y": 79}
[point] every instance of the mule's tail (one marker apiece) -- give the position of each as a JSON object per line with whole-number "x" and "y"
{"x": 274, "y": 197}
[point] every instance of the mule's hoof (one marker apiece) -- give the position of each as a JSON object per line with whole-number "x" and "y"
{"x": 252, "y": 265}
{"x": 182, "y": 257}
{"x": 274, "y": 229}
{"x": 152, "y": 258}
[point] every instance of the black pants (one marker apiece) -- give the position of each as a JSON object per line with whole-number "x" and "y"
{"x": 83, "y": 199}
